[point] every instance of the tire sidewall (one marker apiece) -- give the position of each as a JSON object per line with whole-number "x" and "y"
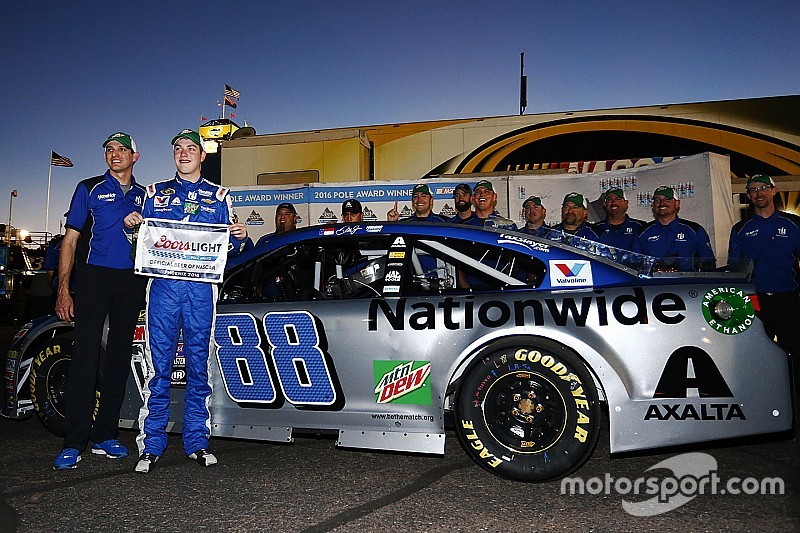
{"x": 574, "y": 392}
{"x": 49, "y": 371}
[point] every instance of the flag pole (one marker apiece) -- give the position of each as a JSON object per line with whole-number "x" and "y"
{"x": 47, "y": 209}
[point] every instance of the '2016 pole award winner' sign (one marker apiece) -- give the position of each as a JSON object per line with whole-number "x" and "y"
{"x": 189, "y": 251}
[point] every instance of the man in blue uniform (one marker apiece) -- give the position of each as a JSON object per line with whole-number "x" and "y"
{"x": 771, "y": 238}
{"x": 422, "y": 203}
{"x": 485, "y": 200}
{"x": 535, "y": 214}
{"x": 618, "y": 229}
{"x": 574, "y": 229}
{"x": 462, "y": 202}
{"x": 680, "y": 244}
{"x": 285, "y": 220}
{"x": 175, "y": 305}
{"x": 104, "y": 286}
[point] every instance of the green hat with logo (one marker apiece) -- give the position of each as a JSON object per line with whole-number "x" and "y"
{"x": 575, "y": 198}
{"x": 422, "y": 189}
{"x": 532, "y": 200}
{"x": 760, "y": 178}
{"x": 191, "y": 135}
{"x": 123, "y": 138}
{"x": 664, "y": 190}
{"x": 486, "y": 184}
{"x": 616, "y": 191}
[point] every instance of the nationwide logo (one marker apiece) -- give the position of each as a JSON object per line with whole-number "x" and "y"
{"x": 254, "y": 219}
{"x": 405, "y": 382}
{"x": 570, "y": 273}
{"x": 327, "y": 216}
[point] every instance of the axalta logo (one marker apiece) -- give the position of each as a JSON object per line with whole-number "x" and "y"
{"x": 570, "y": 273}
{"x": 406, "y": 382}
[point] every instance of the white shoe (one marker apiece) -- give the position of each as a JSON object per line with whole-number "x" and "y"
{"x": 204, "y": 457}
{"x": 146, "y": 461}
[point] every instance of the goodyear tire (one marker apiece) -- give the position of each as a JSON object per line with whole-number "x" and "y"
{"x": 528, "y": 411}
{"x": 48, "y": 382}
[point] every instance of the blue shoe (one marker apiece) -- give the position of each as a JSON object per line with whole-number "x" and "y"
{"x": 111, "y": 448}
{"x": 68, "y": 458}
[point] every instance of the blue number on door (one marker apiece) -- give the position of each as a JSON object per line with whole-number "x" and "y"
{"x": 241, "y": 359}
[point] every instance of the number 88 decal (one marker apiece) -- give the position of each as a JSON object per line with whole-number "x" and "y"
{"x": 300, "y": 364}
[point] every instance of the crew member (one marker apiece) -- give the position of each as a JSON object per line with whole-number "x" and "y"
{"x": 104, "y": 286}
{"x": 771, "y": 238}
{"x": 535, "y": 214}
{"x": 485, "y": 201}
{"x": 352, "y": 211}
{"x": 173, "y": 305}
{"x": 462, "y": 201}
{"x": 574, "y": 229}
{"x": 680, "y": 244}
{"x": 618, "y": 229}
{"x": 422, "y": 203}
{"x": 285, "y": 220}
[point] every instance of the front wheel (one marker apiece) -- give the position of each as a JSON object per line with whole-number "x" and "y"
{"x": 48, "y": 382}
{"x": 528, "y": 411}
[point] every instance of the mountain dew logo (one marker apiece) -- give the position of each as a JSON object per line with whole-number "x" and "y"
{"x": 408, "y": 383}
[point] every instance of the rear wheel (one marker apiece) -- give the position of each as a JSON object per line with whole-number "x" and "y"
{"x": 528, "y": 411}
{"x": 48, "y": 382}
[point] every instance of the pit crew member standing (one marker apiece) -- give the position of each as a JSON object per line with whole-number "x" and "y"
{"x": 175, "y": 305}
{"x": 285, "y": 220}
{"x": 574, "y": 211}
{"x": 535, "y": 214}
{"x": 771, "y": 238}
{"x": 352, "y": 211}
{"x": 104, "y": 286}
{"x": 422, "y": 202}
{"x": 681, "y": 244}
{"x": 618, "y": 229}
{"x": 485, "y": 200}
{"x": 462, "y": 201}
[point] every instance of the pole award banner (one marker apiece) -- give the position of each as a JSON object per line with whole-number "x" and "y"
{"x": 190, "y": 251}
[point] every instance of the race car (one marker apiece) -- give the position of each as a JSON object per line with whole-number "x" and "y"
{"x": 380, "y": 332}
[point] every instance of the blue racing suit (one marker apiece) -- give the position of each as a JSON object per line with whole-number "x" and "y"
{"x": 175, "y": 305}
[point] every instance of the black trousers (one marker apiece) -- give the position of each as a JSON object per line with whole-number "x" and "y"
{"x": 100, "y": 292}
{"x": 780, "y": 313}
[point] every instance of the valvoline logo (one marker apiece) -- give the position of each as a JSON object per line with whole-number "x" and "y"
{"x": 570, "y": 273}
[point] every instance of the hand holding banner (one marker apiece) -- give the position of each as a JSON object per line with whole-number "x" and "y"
{"x": 190, "y": 251}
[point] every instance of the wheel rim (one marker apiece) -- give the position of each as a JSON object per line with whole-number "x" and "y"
{"x": 57, "y": 381}
{"x": 525, "y": 412}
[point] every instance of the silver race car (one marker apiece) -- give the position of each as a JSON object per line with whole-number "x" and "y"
{"x": 380, "y": 332}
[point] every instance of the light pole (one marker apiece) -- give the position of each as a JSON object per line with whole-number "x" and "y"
{"x": 8, "y": 228}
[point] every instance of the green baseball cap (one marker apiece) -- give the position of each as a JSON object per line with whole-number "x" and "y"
{"x": 664, "y": 190}
{"x": 191, "y": 135}
{"x": 486, "y": 184}
{"x": 616, "y": 191}
{"x": 421, "y": 188}
{"x": 760, "y": 178}
{"x": 532, "y": 199}
{"x": 123, "y": 138}
{"x": 575, "y": 198}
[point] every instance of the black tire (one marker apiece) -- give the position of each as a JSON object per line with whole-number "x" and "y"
{"x": 528, "y": 411}
{"x": 48, "y": 382}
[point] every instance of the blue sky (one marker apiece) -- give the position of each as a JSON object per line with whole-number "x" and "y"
{"x": 74, "y": 72}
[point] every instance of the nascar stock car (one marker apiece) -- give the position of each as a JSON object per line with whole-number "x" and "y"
{"x": 381, "y": 332}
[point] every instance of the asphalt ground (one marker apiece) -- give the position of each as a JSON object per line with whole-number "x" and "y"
{"x": 313, "y": 486}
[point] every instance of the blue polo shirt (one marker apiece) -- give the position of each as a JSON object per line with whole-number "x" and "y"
{"x": 455, "y": 219}
{"x": 541, "y": 231}
{"x": 494, "y": 220}
{"x": 681, "y": 239}
{"x": 620, "y": 236}
{"x": 773, "y": 243}
{"x": 432, "y": 217}
{"x": 97, "y": 209}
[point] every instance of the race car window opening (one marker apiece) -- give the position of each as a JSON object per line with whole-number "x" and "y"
{"x": 460, "y": 265}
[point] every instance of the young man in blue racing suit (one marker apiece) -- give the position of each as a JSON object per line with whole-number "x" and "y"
{"x": 175, "y": 305}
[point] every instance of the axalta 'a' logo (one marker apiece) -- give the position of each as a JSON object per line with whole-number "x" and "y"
{"x": 570, "y": 273}
{"x": 406, "y": 382}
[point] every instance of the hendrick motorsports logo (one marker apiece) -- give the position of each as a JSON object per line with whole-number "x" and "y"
{"x": 570, "y": 273}
{"x": 403, "y": 382}
{"x": 728, "y": 310}
{"x": 692, "y": 474}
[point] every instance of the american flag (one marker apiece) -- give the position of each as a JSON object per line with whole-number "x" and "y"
{"x": 233, "y": 93}
{"x": 230, "y": 103}
{"x": 59, "y": 160}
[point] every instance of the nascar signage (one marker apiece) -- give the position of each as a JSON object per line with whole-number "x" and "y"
{"x": 181, "y": 250}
